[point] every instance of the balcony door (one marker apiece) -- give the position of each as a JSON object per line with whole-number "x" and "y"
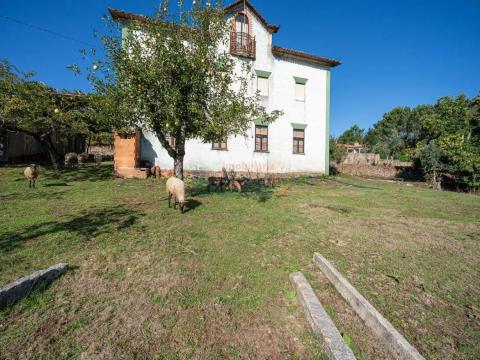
{"x": 242, "y": 30}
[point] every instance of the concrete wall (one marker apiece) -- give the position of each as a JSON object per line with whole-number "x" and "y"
{"x": 240, "y": 154}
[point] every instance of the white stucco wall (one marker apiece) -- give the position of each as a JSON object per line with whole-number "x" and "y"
{"x": 280, "y": 158}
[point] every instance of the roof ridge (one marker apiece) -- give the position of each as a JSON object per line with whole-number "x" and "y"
{"x": 272, "y": 28}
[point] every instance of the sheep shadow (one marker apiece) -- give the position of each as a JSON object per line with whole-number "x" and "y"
{"x": 191, "y": 205}
{"x": 88, "y": 225}
{"x": 257, "y": 190}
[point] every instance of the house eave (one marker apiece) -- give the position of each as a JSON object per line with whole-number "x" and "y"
{"x": 303, "y": 56}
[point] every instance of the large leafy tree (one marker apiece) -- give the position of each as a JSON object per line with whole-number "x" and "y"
{"x": 33, "y": 108}
{"x": 352, "y": 135}
{"x": 397, "y": 133}
{"x": 337, "y": 154}
{"x": 443, "y": 138}
{"x": 172, "y": 75}
{"x": 452, "y": 129}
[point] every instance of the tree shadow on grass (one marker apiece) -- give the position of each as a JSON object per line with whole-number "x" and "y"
{"x": 89, "y": 224}
{"x": 256, "y": 189}
{"x": 31, "y": 194}
{"x": 55, "y": 184}
{"x": 87, "y": 172}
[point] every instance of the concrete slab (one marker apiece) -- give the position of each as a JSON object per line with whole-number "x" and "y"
{"x": 322, "y": 325}
{"x": 399, "y": 347}
{"x": 13, "y": 292}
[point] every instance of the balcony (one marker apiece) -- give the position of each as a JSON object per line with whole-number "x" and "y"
{"x": 242, "y": 44}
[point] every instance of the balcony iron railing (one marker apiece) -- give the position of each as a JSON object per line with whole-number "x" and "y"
{"x": 242, "y": 44}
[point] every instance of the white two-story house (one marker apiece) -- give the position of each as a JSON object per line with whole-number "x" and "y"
{"x": 289, "y": 80}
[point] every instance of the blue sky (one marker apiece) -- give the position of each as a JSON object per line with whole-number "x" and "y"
{"x": 394, "y": 52}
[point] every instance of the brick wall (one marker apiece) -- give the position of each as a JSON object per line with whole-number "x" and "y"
{"x": 127, "y": 150}
{"x": 127, "y": 156}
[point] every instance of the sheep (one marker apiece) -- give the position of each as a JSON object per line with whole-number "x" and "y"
{"x": 71, "y": 159}
{"x": 218, "y": 181}
{"x": 155, "y": 171}
{"x": 271, "y": 181}
{"x": 82, "y": 158}
{"x": 235, "y": 185}
{"x": 31, "y": 174}
{"x": 176, "y": 189}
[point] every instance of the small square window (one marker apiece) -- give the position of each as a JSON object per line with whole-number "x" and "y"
{"x": 261, "y": 138}
{"x": 298, "y": 141}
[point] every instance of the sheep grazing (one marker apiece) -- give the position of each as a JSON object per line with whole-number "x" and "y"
{"x": 82, "y": 158}
{"x": 31, "y": 174}
{"x": 71, "y": 159}
{"x": 155, "y": 171}
{"x": 176, "y": 189}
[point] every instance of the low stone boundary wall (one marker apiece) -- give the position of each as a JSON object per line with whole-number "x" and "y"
{"x": 322, "y": 325}
{"x": 13, "y": 292}
{"x": 399, "y": 347}
{"x": 383, "y": 170}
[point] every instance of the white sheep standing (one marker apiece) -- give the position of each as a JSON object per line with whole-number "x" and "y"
{"x": 31, "y": 173}
{"x": 176, "y": 189}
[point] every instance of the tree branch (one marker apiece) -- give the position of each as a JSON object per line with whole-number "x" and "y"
{"x": 163, "y": 140}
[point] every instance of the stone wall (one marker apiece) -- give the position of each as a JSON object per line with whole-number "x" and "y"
{"x": 362, "y": 158}
{"x": 384, "y": 170}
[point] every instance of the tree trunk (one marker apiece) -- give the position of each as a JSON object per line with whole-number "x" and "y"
{"x": 51, "y": 152}
{"x": 178, "y": 166}
{"x": 179, "y": 153}
{"x": 437, "y": 185}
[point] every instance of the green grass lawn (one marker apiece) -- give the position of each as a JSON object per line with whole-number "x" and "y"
{"x": 149, "y": 282}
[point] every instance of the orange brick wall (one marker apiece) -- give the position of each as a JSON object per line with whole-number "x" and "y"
{"x": 127, "y": 150}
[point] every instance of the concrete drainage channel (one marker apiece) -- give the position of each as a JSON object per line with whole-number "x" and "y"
{"x": 13, "y": 292}
{"x": 323, "y": 326}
